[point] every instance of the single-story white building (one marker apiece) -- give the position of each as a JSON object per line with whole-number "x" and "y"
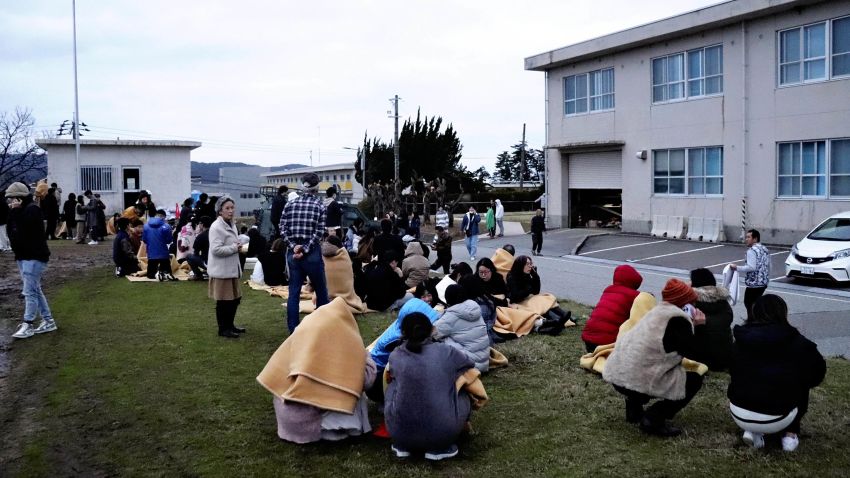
{"x": 119, "y": 169}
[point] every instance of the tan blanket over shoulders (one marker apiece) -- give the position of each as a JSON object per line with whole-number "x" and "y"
{"x": 503, "y": 260}
{"x": 514, "y": 321}
{"x": 321, "y": 363}
{"x": 471, "y": 382}
{"x": 340, "y": 280}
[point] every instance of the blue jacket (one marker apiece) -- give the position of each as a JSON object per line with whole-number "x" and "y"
{"x": 391, "y": 336}
{"x": 157, "y": 237}
{"x": 473, "y": 227}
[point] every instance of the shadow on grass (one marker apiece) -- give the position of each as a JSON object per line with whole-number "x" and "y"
{"x": 136, "y": 382}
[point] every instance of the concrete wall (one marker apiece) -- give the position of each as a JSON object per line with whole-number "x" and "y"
{"x": 774, "y": 114}
{"x": 163, "y": 170}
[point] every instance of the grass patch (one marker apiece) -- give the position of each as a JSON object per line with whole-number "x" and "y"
{"x": 136, "y": 383}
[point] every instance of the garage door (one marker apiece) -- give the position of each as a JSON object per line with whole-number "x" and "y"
{"x": 596, "y": 170}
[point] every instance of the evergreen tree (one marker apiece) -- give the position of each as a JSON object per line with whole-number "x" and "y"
{"x": 508, "y": 165}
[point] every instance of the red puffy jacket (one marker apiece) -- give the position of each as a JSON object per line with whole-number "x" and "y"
{"x": 613, "y": 307}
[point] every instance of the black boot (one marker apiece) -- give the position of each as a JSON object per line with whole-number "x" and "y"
{"x": 659, "y": 427}
{"x": 221, "y": 317}
{"x": 634, "y": 411}
{"x": 234, "y": 306}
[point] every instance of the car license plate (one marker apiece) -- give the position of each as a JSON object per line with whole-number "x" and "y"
{"x": 809, "y": 271}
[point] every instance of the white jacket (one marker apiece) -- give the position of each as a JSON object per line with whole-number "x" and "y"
{"x": 500, "y": 210}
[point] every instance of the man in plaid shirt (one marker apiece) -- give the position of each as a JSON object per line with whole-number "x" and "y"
{"x": 302, "y": 225}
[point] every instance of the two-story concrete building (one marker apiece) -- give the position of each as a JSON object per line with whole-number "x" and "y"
{"x": 340, "y": 175}
{"x": 119, "y": 169}
{"x": 738, "y": 111}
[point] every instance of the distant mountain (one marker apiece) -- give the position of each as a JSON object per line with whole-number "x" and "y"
{"x": 209, "y": 171}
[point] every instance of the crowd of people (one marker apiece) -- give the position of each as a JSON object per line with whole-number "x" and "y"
{"x": 424, "y": 370}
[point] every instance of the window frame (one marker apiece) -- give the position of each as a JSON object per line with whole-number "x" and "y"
{"x": 827, "y": 57}
{"x": 686, "y": 79}
{"x": 587, "y": 98}
{"x": 88, "y": 182}
{"x": 687, "y": 176}
{"x": 827, "y": 174}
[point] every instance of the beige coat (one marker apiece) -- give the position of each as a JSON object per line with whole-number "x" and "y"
{"x": 223, "y": 260}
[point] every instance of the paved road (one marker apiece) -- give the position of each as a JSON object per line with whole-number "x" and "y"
{"x": 822, "y": 314}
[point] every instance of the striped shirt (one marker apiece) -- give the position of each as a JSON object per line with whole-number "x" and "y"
{"x": 303, "y": 222}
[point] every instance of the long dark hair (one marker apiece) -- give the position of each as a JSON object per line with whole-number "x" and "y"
{"x": 486, "y": 262}
{"x": 459, "y": 270}
{"x": 518, "y": 266}
{"x": 415, "y": 331}
{"x": 769, "y": 309}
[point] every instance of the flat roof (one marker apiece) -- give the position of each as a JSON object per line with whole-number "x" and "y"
{"x": 712, "y": 16}
{"x": 150, "y": 143}
{"x": 311, "y": 169}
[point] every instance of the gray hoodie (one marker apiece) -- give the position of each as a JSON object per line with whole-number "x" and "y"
{"x": 462, "y": 327}
{"x": 415, "y": 266}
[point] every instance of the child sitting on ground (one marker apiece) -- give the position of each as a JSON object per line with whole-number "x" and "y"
{"x": 424, "y": 411}
{"x": 122, "y": 249}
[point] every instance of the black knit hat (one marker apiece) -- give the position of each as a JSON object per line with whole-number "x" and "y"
{"x": 702, "y": 277}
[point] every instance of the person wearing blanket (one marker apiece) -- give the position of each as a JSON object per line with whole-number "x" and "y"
{"x": 714, "y": 341}
{"x": 773, "y": 368}
{"x": 524, "y": 283}
{"x": 462, "y": 327}
{"x": 424, "y": 410}
{"x": 647, "y": 361}
{"x": 317, "y": 377}
{"x": 339, "y": 274}
{"x": 613, "y": 308}
{"x": 391, "y": 338}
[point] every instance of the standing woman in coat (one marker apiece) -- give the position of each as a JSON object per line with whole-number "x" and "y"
{"x": 224, "y": 269}
{"x": 490, "y": 218}
{"x": 772, "y": 370}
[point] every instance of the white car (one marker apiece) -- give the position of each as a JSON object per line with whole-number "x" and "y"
{"x": 824, "y": 253}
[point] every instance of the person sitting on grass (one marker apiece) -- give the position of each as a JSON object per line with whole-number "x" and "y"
{"x": 271, "y": 265}
{"x": 493, "y": 282}
{"x": 415, "y": 265}
{"x": 424, "y": 410}
{"x": 385, "y": 288}
{"x": 612, "y": 309}
{"x": 186, "y": 239}
{"x": 647, "y": 361}
{"x": 125, "y": 259}
{"x": 462, "y": 326}
{"x": 157, "y": 237}
{"x": 773, "y": 368}
{"x": 714, "y": 340}
{"x": 524, "y": 283}
{"x": 459, "y": 270}
{"x": 200, "y": 249}
{"x": 390, "y": 339}
{"x": 503, "y": 259}
{"x": 473, "y": 287}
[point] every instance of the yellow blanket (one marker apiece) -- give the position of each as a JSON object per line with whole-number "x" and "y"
{"x": 514, "y": 321}
{"x": 321, "y": 363}
{"x": 539, "y": 303}
{"x": 180, "y": 271}
{"x": 595, "y": 361}
{"x": 471, "y": 382}
{"x": 340, "y": 280}
{"x": 497, "y": 359}
{"x": 503, "y": 261}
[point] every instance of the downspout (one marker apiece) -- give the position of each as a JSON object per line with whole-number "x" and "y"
{"x": 744, "y": 132}
{"x": 546, "y": 144}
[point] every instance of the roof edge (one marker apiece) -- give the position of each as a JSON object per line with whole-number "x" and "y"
{"x": 44, "y": 143}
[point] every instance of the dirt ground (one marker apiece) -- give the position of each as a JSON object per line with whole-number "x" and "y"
{"x": 67, "y": 259}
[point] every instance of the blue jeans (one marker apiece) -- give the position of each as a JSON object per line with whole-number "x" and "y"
{"x": 500, "y": 223}
{"x": 471, "y": 245}
{"x": 310, "y": 266}
{"x": 36, "y": 302}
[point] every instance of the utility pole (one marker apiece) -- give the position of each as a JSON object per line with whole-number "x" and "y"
{"x": 522, "y": 158}
{"x": 76, "y": 103}
{"x": 395, "y": 143}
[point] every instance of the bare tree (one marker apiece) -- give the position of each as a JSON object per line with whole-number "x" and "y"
{"x": 19, "y": 155}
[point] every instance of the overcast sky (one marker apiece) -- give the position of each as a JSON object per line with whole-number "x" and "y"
{"x": 268, "y": 81}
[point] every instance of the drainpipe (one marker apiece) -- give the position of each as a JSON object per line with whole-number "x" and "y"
{"x": 546, "y": 143}
{"x": 744, "y": 139}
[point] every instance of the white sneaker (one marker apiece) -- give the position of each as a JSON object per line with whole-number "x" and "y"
{"x": 25, "y": 331}
{"x": 47, "y": 325}
{"x": 791, "y": 443}
{"x": 472, "y": 258}
{"x": 755, "y": 440}
{"x": 93, "y": 243}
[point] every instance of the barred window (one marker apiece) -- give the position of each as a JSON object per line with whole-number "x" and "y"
{"x": 96, "y": 178}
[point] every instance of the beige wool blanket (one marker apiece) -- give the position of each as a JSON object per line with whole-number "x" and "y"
{"x": 322, "y": 363}
{"x": 340, "y": 280}
{"x": 503, "y": 260}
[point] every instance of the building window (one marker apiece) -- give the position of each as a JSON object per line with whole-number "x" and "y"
{"x": 348, "y": 177}
{"x": 803, "y": 170}
{"x": 814, "y": 52}
{"x": 691, "y": 171}
{"x": 597, "y": 85}
{"x": 690, "y": 74}
{"x": 96, "y": 178}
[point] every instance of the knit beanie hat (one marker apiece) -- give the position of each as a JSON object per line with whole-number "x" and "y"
{"x": 678, "y": 293}
{"x": 702, "y": 277}
{"x": 17, "y": 190}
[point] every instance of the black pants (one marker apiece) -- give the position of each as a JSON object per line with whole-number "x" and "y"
{"x": 662, "y": 409}
{"x": 197, "y": 264}
{"x": 442, "y": 261}
{"x": 536, "y": 241}
{"x": 590, "y": 347}
{"x": 158, "y": 265}
{"x": 802, "y": 408}
{"x": 751, "y": 295}
{"x": 225, "y": 313}
{"x": 51, "y": 228}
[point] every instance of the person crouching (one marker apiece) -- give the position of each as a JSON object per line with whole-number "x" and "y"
{"x": 647, "y": 362}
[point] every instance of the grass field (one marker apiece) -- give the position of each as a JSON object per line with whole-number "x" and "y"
{"x": 136, "y": 383}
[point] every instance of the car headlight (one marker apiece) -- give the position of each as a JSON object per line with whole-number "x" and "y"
{"x": 840, "y": 254}
{"x": 794, "y": 250}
